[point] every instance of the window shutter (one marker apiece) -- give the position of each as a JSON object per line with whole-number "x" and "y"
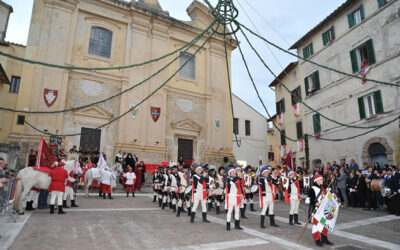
{"x": 317, "y": 123}
{"x": 361, "y": 107}
{"x": 354, "y": 63}
{"x": 333, "y": 32}
{"x": 278, "y": 110}
{"x": 306, "y": 86}
{"x": 317, "y": 83}
{"x": 299, "y": 130}
{"x": 324, "y": 38}
{"x": 283, "y": 106}
{"x": 362, "y": 12}
{"x": 378, "y": 102}
{"x": 370, "y": 52}
{"x": 351, "y": 20}
{"x": 305, "y": 54}
{"x": 311, "y": 49}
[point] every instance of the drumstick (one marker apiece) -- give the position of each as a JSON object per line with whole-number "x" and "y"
{"x": 312, "y": 215}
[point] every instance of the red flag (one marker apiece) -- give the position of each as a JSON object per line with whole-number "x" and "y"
{"x": 45, "y": 156}
{"x": 289, "y": 160}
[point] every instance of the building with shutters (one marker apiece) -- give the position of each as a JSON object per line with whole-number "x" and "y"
{"x": 289, "y": 114}
{"x": 250, "y": 128}
{"x": 188, "y": 116}
{"x": 359, "y": 35}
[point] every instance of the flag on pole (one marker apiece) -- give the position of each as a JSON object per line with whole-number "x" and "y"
{"x": 45, "y": 156}
{"x": 296, "y": 109}
{"x": 283, "y": 150}
{"x": 280, "y": 119}
{"x": 101, "y": 164}
{"x": 289, "y": 160}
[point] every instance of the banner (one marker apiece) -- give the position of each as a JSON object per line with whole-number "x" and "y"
{"x": 296, "y": 109}
{"x": 328, "y": 211}
{"x": 280, "y": 119}
{"x": 45, "y": 156}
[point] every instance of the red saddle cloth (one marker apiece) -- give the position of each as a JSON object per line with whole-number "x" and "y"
{"x": 43, "y": 169}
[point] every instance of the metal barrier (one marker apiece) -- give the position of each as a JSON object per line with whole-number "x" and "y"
{"x": 7, "y": 198}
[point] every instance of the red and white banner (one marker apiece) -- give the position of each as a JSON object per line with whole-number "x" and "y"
{"x": 45, "y": 156}
{"x": 283, "y": 150}
{"x": 280, "y": 119}
{"x": 300, "y": 145}
{"x": 364, "y": 71}
{"x": 296, "y": 109}
{"x": 101, "y": 164}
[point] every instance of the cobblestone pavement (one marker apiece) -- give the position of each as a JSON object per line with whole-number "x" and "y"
{"x": 138, "y": 223}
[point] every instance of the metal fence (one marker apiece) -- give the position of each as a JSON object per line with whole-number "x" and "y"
{"x": 7, "y": 199}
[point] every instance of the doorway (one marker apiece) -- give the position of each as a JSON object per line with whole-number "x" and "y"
{"x": 185, "y": 148}
{"x": 90, "y": 139}
{"x": 377, "y": 153}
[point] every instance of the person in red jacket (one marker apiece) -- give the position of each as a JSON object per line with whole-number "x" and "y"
{"x": 57, "y": 187}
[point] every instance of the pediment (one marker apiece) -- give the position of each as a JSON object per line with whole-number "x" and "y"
{"x": 92, "y": 115}
{"x": 186, "y": 124}
{"x": 200, "y": 15}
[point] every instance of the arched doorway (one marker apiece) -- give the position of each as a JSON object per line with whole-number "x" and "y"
{"x": 377, "y": 152}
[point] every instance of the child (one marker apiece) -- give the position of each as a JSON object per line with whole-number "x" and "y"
{"x": 130, "y": 182}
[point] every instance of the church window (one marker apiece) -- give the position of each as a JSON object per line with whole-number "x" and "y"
{"x": 100, "y": 42}
{"x": 189, "y": 69}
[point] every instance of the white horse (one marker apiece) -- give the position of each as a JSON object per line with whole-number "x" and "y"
{"x": 96, "y": 173}
{"x": 28, "y": 178}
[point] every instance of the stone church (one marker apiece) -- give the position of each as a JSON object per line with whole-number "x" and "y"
{"x": 189, "y": 116}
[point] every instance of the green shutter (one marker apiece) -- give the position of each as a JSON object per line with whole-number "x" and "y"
{"x": 361, "y": 107}
{"x": 283, "y": 105}
{"x": 354, "y": 63}
{"x": 317, "y": 124}
{"x": 378, "y": 102}
{"x": 370, "y": 52}
{"x": 362, "y": 12}
{"x": 306, "y": 86}
{"x": 278, "y": 110}
{"x": 325, "y": 38}
{"x": 333, "y": 33}
{"x": 351, "y": 20}
{"x": 381, "y": 3}
{"x": 311, "y": 49}
{"x": 305, "y": 54}
{"x": 317, "y": 83}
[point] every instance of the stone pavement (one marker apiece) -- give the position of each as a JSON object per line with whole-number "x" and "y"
{"x": 138, "y": 223}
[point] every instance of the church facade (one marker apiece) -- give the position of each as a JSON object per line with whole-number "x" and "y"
{"x": 189, "y": 116}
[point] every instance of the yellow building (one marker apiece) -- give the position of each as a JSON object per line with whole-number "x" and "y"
{"x": 189, "y": 116}
{"x": 290, "y": 114}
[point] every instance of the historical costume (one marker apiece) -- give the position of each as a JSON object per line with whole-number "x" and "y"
{"x": 183, "y": 185}
{"x": 219, "y": 188}
{"x": 267, "y": 189}
{"x": 69, "y": 191}
{"x": 130, "y": 178}
{"x": 58, "y": 177}
{"x": 315, "y": 195}
{"x": 174, "y": 186}
{"x": 248, "y": 183}
{"x": 164, "y": 187}
{"x": 234, "y": 196}
{"x": 199, "y": 194}
{"x": 106, "y": 179}
{"x": 292, "y": 196}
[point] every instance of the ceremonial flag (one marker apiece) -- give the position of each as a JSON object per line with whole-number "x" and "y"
{"x": 296, "y": 109}
{"x": 289, "y": 160}
{"x": 101, "y": 164}
{"x": 45, "y": 156}
{"x": 283, "y": 150}
{"x": 280, "y": 119}
{"x": 326, "y": 215}
{"x": 300, "y": 145}
{"x": 306, "y": 182}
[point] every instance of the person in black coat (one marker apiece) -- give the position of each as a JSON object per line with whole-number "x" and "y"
{"x": 130, "y": 161}
{"x": 392, "y": 181}
{"x": 351, "y": 186}
{"x": 361, "y": 189}
{"x": 372, "y": 196}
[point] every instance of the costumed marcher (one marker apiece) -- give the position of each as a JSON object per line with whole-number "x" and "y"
{"x": 174, "y": 186}
{"x": 32, "y": 196}
{"x": 240, "y": 181}
{"x": 199, "y": 193}
{"x": 58, "y": 177}
{"x": 292, "y": 196}
{"x": 130, "y": 178}
{"x": 164, "y": 187}
{"x": 183, "y": 184}
{"x": 139, "y": 180}
{"x": 248, "y": 183}
{"x": 69, "y": 191}
{"x": 315, "y": 195}
{"x": 233, "y": 199}
{"x": 211, "y": 185}
{"x": 219, "y": 188}
{"x": 267, "y": 181}
{"x": 106, "y": 179}
{"x": 155, "y": 183}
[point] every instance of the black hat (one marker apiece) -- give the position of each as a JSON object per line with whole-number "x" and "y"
{"x": 174, "y": 166}
{"x": 220, "y": 168}
{"x": 187, "y": 166}
{"x": 248, "y": 167}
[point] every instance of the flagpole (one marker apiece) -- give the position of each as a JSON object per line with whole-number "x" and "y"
{"x": 312, "y": 215}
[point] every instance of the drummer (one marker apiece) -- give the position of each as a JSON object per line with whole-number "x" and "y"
{"x": 219, "y": 188}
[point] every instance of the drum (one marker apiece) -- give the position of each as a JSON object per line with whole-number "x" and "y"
{"x": 377, "y": 185}
{"x": 218, "y": 191}
{"x": 254, "y": 188}
{"x": 385, "y": 192}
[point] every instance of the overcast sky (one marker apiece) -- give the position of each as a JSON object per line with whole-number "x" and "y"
{"x": 283, "y": 22}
